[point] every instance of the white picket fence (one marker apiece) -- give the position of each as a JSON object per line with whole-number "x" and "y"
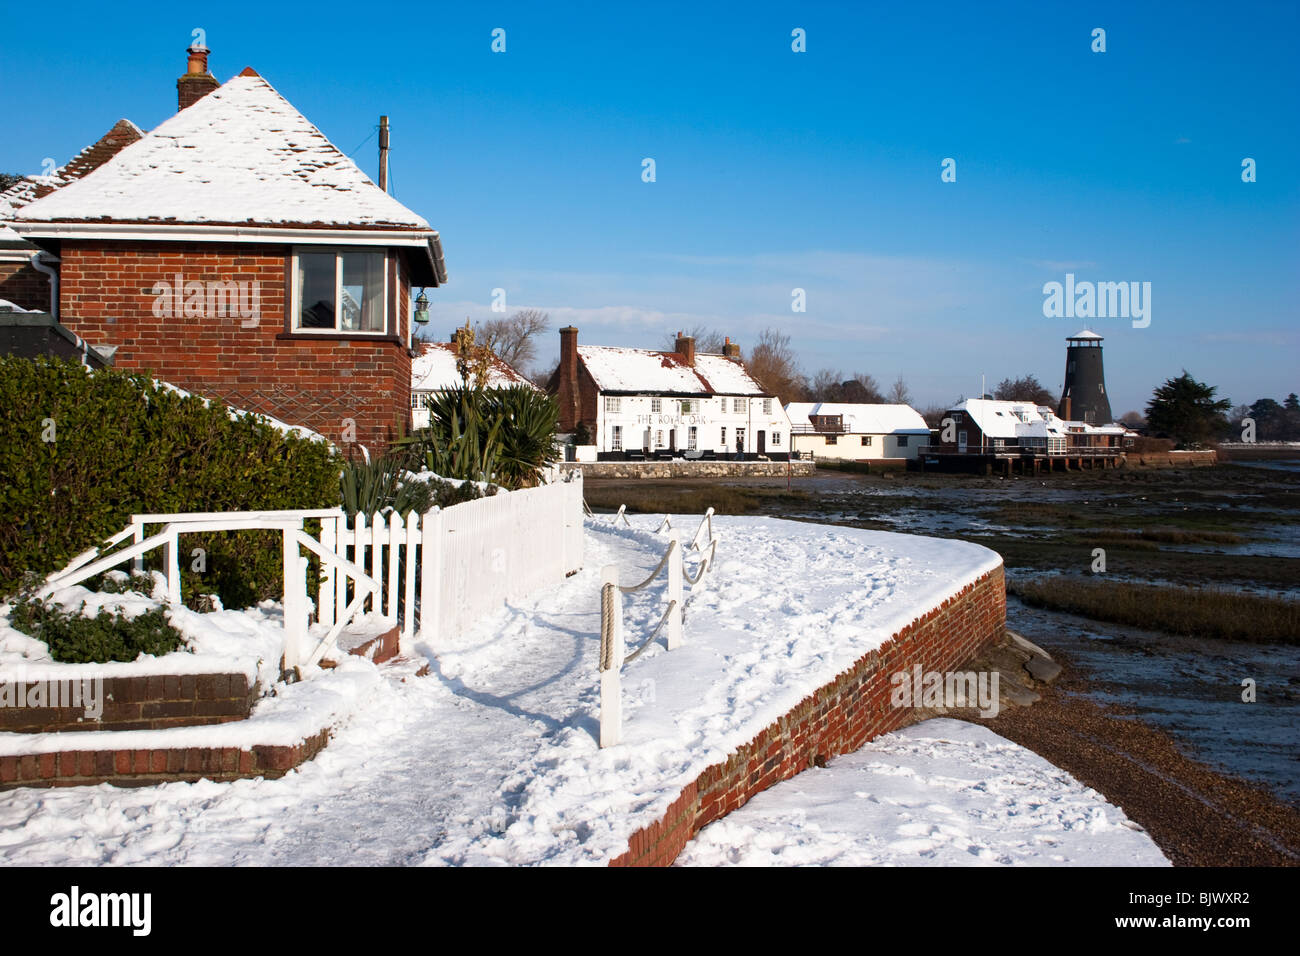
{"x": 470, "y": 559}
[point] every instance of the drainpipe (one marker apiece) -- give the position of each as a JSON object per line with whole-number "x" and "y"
{"x": 40, "y": 265}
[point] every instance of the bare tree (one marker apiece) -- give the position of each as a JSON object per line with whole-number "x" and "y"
{"x": 1026, "y": 389}
{"x": 933, "y": 415}
{"x": 514, "y": 340}
{"x": 829, "y": 385}
{"x": 898, "y": 393}
{"x": 706, "y": 339}
{"x": 773, "y": 363}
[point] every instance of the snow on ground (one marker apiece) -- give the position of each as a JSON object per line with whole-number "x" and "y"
{"x": 938, "y": 793}
{"x": 492, "y": 759}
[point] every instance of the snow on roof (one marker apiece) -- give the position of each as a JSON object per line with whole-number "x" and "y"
{"x": 242, "y": 154}
{"x": 434, "y": 370}
{"x": 665, "y": 373}
{"x": 1086, "y": 334}
{"x": 863, "y": 419}
{"x": 998, "y": 419}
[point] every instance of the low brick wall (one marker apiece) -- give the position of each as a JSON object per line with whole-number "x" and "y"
{"x": 838, "y": 718}
{"x": 692, "y": 469}
{"x": 1173, "y": 459}
{"x": 137, "y": 703}
{"x": 133, "y": 768}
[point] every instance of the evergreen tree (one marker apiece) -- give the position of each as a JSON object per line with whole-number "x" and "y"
{"x": 1185, "y": 410}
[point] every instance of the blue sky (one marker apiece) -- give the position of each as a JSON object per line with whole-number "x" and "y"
{"x": 778, "y": 170}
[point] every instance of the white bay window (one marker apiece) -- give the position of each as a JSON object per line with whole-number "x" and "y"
{"x": 340, "y": 290}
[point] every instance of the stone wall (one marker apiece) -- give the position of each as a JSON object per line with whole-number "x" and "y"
{"x": 692, "y": 469}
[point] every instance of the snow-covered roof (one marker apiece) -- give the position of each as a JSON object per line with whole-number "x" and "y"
{"x": 644, "y": 371}
{"x": 1086, "y": 334}
{"x": 434, "y": 370}
{"x": 862, "y": 419}
{"x": 30, "y": 188}
{"x": 999, "y": 419}
{"x": 241, "y": 155}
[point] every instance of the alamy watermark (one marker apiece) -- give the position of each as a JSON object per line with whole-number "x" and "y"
{"x": 66, "y": 693}
{"x": 208, "y": 299}
{"x": 1098, "y": 300}
{"x": 954, "y": 689}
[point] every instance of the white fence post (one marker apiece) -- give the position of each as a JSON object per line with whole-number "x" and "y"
{"x": 410, "y": 539}
{"x": 395, "y": 537}
{"x": 294, "y": 602}
{"x": 675, "y": 590}
{"x": 325, "y": 602}
{"x": 430, "y": 575}
{"x": 137, "y": 533}
{"x": 611, "y": 681}
{"x": 171, "y": 558}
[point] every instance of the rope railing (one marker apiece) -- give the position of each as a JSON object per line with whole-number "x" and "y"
{"x": 613, "y": 654}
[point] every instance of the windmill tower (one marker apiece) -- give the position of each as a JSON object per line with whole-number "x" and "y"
{"x": 1083, "y": 399}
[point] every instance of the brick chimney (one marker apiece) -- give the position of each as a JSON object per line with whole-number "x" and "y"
{"x": 197, "y": 81}
{"x": 730, "y": 349}
{"x": 566, "y": 390}
{"x": 686, "y": 348}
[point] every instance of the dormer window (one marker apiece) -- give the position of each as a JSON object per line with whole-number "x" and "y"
{"x": 340, "y": 290}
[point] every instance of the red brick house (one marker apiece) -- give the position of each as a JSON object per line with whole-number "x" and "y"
{"x": 235, "y": 252}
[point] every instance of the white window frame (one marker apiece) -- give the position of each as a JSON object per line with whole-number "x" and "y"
{"x": 296, "y": 326}
{"x": 776, "y": 439}
{"x": 767, "y": 406}
{"x": 616, "y": 438}
{"x": 692, "y": 436}
{"x": 724, "y": 435}
{"x": 656, "y": 406}
{"x": 613, "y": 405}
{"x": 866, "y": 440}
{"x": 738, "y": 406}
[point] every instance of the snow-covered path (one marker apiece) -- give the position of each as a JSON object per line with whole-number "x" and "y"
{"x": 492, "y": 758}
{"x": 421, "y": 763}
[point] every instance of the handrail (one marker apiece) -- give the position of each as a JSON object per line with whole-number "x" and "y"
{"x": 612, "y": 656}
{"x": 653, "y": 574}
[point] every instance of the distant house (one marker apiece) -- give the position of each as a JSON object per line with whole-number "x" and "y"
{"x": 856, "y": 432}
{"x": 984, "y": 426}
{"x": 433, "y": 370}
{"x": 236, "y": 253}
{"x": 639, "y": 403}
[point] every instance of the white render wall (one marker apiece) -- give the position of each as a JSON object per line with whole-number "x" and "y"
{"x": 645, "y": 429}
{"x": 850, "y": 447}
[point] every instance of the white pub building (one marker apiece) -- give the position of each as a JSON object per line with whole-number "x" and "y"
{"x": 639, "y": 403}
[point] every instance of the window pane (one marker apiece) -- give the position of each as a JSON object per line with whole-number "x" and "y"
{"x": 316, "y": 290}
{"x": 363, "y": 292}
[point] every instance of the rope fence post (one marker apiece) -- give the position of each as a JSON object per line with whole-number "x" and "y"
{"x": 674, "y": 590}
{"x": 611, "y": 657}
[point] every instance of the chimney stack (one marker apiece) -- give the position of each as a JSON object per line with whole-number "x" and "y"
{"x": 686, "y": 348}
{"x": 567, "y": 394}
{"x": 197, "y": 81}
{"x": 730, "y": 349}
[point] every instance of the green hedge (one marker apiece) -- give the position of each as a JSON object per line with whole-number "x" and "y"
{"x": 80, "y": 453}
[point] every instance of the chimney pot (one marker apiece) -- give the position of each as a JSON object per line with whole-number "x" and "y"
{"x": 197, "y": 81}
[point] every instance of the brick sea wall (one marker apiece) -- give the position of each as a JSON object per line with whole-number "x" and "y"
{"x": 838, "y": 718}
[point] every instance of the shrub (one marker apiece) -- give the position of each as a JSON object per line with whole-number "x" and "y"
{"x": 74, "y": 638}
{"x": 384, "y": 485}
{"x": 500, "y": 435}
{"x": 82, "y": 452}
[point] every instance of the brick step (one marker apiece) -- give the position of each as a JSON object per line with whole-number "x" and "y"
{"x": 156, "y": 702}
